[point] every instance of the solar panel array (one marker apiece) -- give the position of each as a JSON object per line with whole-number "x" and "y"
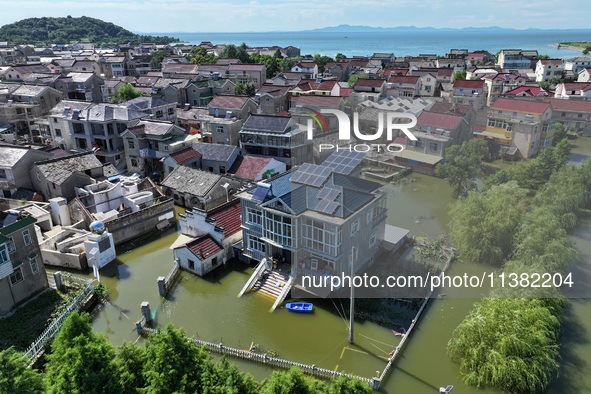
{"x": 326, "y": 206}
{"x": 328, "y": 194}
{"x": 311, "y": 175}
{"x": 260, "y": 194}
{"x": 343, "y": 162}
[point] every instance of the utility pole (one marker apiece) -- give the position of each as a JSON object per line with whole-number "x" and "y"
{"x": 352, "y": 308}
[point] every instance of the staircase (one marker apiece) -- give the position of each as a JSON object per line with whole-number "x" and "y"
{"x": 267, "y": 283}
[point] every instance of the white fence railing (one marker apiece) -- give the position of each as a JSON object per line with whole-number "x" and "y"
{"x": 50, "y": 332}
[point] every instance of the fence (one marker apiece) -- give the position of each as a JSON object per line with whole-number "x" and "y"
{"x": 50, "y": 332}
{"x": 265, "y": 359}
{"x": 398, "y": 350}
{"x": 165, "y": 284}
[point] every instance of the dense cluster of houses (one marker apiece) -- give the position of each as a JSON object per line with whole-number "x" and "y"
{"x": 73, "y": 159}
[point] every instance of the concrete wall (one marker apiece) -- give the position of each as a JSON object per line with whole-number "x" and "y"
{"x": 136, "y": 224}
{"x": 64, "y": 260}
{"x": 201, "y": 267}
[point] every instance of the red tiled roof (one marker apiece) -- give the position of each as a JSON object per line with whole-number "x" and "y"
{"x": 520, "y": 105}
{"x": 359, "y": 63}
{"x": 476, "y": 54}
{"x": 551, "y": 61}
{"x": 530, "y": 90}
{"x": 439, "y": 120}
{"x": 345, "y": 92}
{"x": 322, "y": 101}
{"x": 403, "y": 79}
{"x": 479, "y": 128}
{"x": 370, "y": 83}
{"x": 249, "y": 167}
{"x": 184, "y": 155}
{"x": 584, "y": 86}
{"x": 227, "y": 216}
{"x": 461, "y": 83}
{"x": 443, "y": 108}
{"x": 395, "y": 71}
{"x": 248, "y": 67}
{"x": 203, "y": 247}
{"x": 228, "y": 101}
{"x": 445, "y": 72}
{"x": 570, "y": 105}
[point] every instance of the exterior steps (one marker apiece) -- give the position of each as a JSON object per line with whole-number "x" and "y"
{"x": 267, "y": 283}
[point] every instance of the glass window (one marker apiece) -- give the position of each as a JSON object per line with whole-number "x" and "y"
{"x": 16, "y": 276}
{"x": 254, "y": 216}
{"x": 27, "y": 237}
{"x": 372, "y": 239}
{"x": 34, "y": 265}
{"x": 10, "y": 245}
{"x": 256, "y": 244}
{"x": 355, "y": 227}
{"x": 131, "y": 144}
{"x": 4, "y": 253}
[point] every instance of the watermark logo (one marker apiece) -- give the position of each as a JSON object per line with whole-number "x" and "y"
{"x": 387, "y": 121}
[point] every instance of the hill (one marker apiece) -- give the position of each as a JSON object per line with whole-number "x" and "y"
{"x": 69, "y": 30}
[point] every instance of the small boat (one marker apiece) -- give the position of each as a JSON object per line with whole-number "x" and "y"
{"x": 299, "y": 306}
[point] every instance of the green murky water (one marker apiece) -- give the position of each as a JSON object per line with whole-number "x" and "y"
{"x": 208, "y": 308}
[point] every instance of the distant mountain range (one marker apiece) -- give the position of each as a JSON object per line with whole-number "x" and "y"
{"x": 370, "y": 29}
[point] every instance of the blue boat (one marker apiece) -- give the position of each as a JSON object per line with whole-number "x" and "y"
{"x": 299, "y": 306}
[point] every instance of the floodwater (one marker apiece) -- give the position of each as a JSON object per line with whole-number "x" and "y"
{"x": 208, "y": 308}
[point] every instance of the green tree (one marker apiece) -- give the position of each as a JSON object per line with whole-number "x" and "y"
{"x": 483, "y": 226}
{"x": 339, "y": 57}
{"x": 561, "y": 153}
{"x": 462, "y": 164}
{"x": 129, "y": 366}
{"x": 199, "y": 55}
{"x": 224, "y": 377}
{"x": 509, "y": 344}
{"x": 288, "y": 62}
{"x": 321, "y": 61}
{"x": 127, "y": 92}
{"x": 559, "y": 134}
{"x": 290, "y": 382}
{"x": 173, "y": 364}
{"x": 80, "y": 360}
{"x": 159, "y": 56}
{"x": 15, "y": 375}
{"x": 250, "y": 89}
{"x": 239, "y": 89}
{"x": 459, "y": 75}
{"x": 277, "y": 54}
{"x": 354, "y": 79}
{"x": 344, "y": 385}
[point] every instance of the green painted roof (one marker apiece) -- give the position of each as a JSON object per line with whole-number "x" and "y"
{"x": 211, "y": 83}
{"x": 18, "y": 225}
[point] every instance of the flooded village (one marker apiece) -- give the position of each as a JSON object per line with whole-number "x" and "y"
{"x": 198, "y": 184}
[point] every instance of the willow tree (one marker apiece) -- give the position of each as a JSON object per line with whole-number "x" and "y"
{"x": 483, "y": 225}
{"x": 507, "y": 343}
{"x": 462, "y": 164}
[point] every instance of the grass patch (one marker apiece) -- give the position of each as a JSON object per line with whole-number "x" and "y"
{"x": 28, "y": 322}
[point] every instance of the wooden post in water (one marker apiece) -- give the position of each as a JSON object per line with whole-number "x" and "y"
{"x": 352, "y": 308}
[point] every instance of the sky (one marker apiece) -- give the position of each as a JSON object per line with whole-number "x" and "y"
{"x": 158, "y": 16}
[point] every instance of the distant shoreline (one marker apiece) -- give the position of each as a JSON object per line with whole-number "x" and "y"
{"x": 569, "y": 47}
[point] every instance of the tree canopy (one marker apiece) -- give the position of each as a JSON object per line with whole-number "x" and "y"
{"x": 66, "y": 30}
{"x": 15, "y": 375}
{"x": 127, "y": 92}
{"x": 462, "y": 164}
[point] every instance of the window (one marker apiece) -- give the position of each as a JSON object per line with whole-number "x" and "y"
{"x": 278, "y": 228}
{"x": 54, "y": 120}
{"x": 3, "y": 174}
{"x": 222, "y": 169}
{"x": 372, "y": 240}
{"x": 27, "y": 237}
{"x": 58, "y": 133}
{"x": 434, "y": 146}
{"x": 219, "y": 129}
{"x": 355, "y": 227}
{"x": 158, "y": 114}
{"x": 256, "y": 244}
{"x": 16, "y": 276}
{"x": 369, "y": 215}
{"x": 34, "y": 265}
{"x": 130, "y": 144}
{"x": 254, "y": 216}
{"x": 191, "y": 264}
{"x": 214, "y": 261}
{"x": 166, "y": 147}
{"x": 10, "y": 245}
{"x": 321, "y": 236}
{"x": 4, "y": 253}
{"x": 134, "y": 162}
